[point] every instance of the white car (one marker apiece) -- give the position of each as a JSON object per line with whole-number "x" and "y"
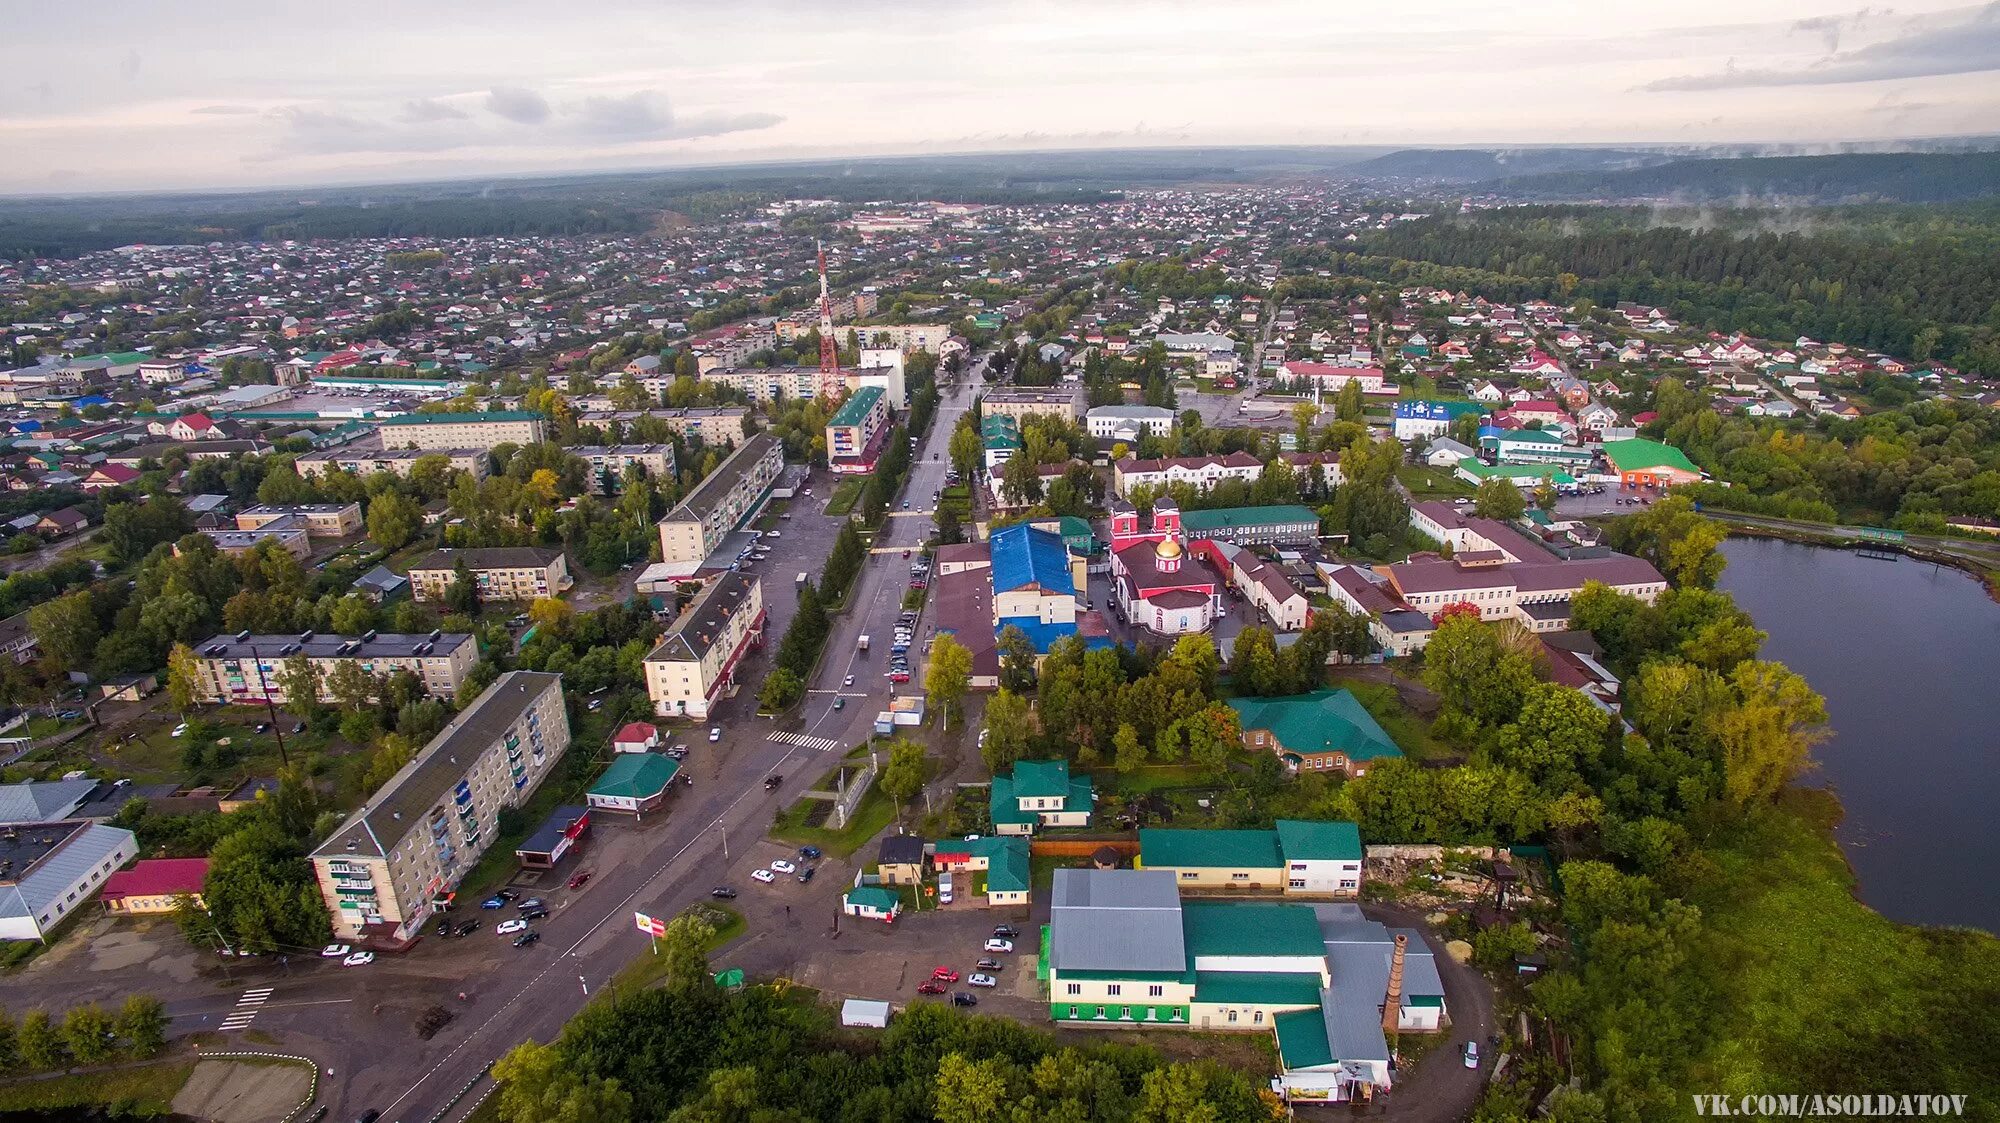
{"x": 779, "y": 865}
{"x": 359, "y": 959}
{"x": 334, "y": 951}
{"x": 1000, "y": 945}
{"x": 848, "y": 681}
{"x": 765, "y": 876}
{"x": 179, "y": 730}
{"x": 715, "y": 733}
{"x": 982, "y": 981}
{"x": 509, "y": 927}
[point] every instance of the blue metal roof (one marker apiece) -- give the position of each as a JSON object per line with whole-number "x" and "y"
{"x": 1024, "y": 555}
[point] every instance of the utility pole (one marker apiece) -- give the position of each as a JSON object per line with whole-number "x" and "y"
{"x": 270, "y": 708}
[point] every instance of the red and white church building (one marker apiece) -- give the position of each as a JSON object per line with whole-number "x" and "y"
{"x": 1158, "y": 583}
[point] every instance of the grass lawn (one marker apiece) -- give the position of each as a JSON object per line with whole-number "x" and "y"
{"x": 874, "y": 812}
{"x": 146, "y": 1089}
{"x": 1149, "y": 778}
{"x": 1410, "y": 731}
{"x": 649, "y": 969}
{"x": 1426, "y": 482}
{"x": 845, "y": 495}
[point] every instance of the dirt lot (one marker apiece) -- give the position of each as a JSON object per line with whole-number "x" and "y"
{"x": 240, "y": 1092}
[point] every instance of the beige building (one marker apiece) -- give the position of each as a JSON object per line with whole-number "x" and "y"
{"x": 1023, "y": 404}
{"x": 507, "y": 573}
{"x": 608, "y": 462}
{"x": 720, "y": 503}
{"x": 715, "y": 425}
{"x": 319, "y": 520}
{"x": 766, "y": 384}
{"x": 399, "y": 857}
{"x": 462, "y": 430}
{"x": 289, "y": 534}
{"x": 694, "y": 666}
{"x": 243, "y": 668}
{"x": 478, "y": 462}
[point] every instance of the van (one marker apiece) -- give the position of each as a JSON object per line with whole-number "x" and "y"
{"x": 944, "y": 887}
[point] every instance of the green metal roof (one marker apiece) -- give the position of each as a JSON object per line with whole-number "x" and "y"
{"x": 1531, "y": 436}
{"x": 1178, "y": 849}
{"x": 1041, "y": 778}
{"x": 1005, "y": 808}
{"x": 1515, "y": 471}
{"x": 636, "y": 776}
{"x": 461, "y": 418}
{"x": 873, "y": 897}
{"x": 857, "y": 406}
{"x": 1302, "y": 1039}
{"x": 1303, "y": 841}
{"x": 1258, "y": 988}
{"x": 1236, "y": 518}
{"x": 1324, "y": 721}
{"x": 1639, "y": 454}
{"x": 1007, "y": 867}
{"x": 1251, "y": 929}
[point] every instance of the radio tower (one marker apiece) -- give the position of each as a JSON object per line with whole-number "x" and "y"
{"x": 831, "y": 384}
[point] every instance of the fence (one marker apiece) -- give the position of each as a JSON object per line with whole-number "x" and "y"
{"x": 1073, "y": 847}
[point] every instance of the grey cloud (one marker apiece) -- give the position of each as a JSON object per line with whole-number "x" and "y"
{"x": 518, "y": 104}
{"x": 649, "y": 115}
{"x": 129, "y": 65}
{"x": 423, "y": 110}
{"x": 1969, "y": 47}
{"x": 222, "y": 110}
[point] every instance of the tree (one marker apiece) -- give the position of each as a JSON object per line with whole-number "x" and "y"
{"x": 1303, "y": 416}
{"x": 1498, "y": 498}
{"x": 353, "y": 615}
{"x": 462, "y": 595}
{"x": 294, "y": 807}
{"x": 1348, "y": 404}
{"x": 967, "y": 451}
{"x": 1472, "y": 674}
{"x": 1766, "y": 737}
{"x": 393, "y": 520}
{"x": 1008, "y": 727}
{"x": 903, "y": 777}
{"x": 948, "y": 677}
{"x": 1557, "y": 736}
{"x": 353, "y": 689}
{"x": 1017, "y": 659}
{"x": 970, "y": 1091}
{"x": 684, "y": 950}
{"x": 1253, "y": 664}
{"x": 298, "y": 679}
{"x": 1681, "y": 543}
{"x": 142, "y": 1022}
{"x": 260, "y": 891}
{"x": 89, "y": 1034}
{"x": 183, "y": 679}
{"x": 41, "y": 1043}
{"x": 1213, "y": 735}
{"x": 1127, "y": 751}
{"x": 66, "y": 630}
{"x": 781, "y": 690}
{"x": 539, "y": 1085}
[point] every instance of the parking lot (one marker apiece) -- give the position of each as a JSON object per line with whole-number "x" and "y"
{"x": 1612, "y": 500}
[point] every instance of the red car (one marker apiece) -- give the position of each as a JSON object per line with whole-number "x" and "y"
{"x": 931, "y": 988}
{"x": 578, "y": 881}
{"x": 945, "y": 975}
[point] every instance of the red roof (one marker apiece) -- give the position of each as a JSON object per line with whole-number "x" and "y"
{"x": 157, "y": 877}
{"x": 197, "y": 421}
{"x": 636, "y": 733}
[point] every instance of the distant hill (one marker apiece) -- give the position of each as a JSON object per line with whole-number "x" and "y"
{"x": 1474, "y": 165}
{"x": 1906, "y": 177}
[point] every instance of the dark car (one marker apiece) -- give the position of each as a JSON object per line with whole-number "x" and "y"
{"x": 493, "y": 903}
{"x": 534, "y": 914}
{"x": 526, "y": 938}
{"x": 772, "y": 781}
{"x": 810, "y": 853}
{"x": 962, "y": 998}
{"x": 468, "y": 928}
{"x": 583, "y": 876}
{"x": 446, "y": 929}
{"x": 806, "y": 874}
{"x": 532, "y": 903}
{"x": 506, "y": 894}
{"x": 722, "y": 893}
{"x": 369, "y": 1116}
{"x": 1005, "y": 932}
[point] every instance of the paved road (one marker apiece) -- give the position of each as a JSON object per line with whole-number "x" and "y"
{"x": 1441, "y": 1089}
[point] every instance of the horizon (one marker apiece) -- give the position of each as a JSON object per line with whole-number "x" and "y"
{"x": 155, "y": 103}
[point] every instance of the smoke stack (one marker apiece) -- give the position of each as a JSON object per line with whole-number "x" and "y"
{"x": 1392, "y": 1007}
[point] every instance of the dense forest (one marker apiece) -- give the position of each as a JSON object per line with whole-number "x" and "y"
{"x": 1471, "y": 165}
{"x": 1919, "y": 284}
{"x": 1909, "y": 177}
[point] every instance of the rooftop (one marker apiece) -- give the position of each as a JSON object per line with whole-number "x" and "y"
{"x": 1251, "y": 928}
{"x": 1024, "y": 555}
{"x": 857, "y": 406}
{"x": 483, "y": 417}
{"x": 1116, "y": 920}
{"x": 489, "y": 557}
{"x": 708, "y": 494}
{"x": 1236, "y": 518}
{"x": 691, "y": 636}
{"x": 636, "y": 776}
{"x": 1178, "y": 849}
{"x": 1323, "y": 721}
{"x": 372, "y": 645}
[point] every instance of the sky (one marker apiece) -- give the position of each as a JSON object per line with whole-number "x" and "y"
{"x": 114, "y": 95}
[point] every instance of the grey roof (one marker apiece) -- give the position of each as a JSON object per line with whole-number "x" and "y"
{"x": 384, "y": 645}
{"x": 1353, "y": 1027}
{"x": 489, "y": 557}
{"x": 710, "y": 491}
{"x": 1116, "y": 920}
{"x": 51, "y": 870}
{"x": 382, "y": 578}
{"x": 1358, "y": 952}
{"x": 398, "y": 808}
{"x": 901, "y": 850}
{"x": 42, "y": 801}
{"x": 691, "y": 635}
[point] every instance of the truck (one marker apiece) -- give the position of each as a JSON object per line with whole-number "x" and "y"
{"x": 802, "y": 579}
{"x": 862, "y": 643}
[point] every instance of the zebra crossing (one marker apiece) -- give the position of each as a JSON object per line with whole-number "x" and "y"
{"x": 246, "y": 1008}
{"x": 820, "y": 744}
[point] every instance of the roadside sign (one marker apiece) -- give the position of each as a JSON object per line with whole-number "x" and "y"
{"x": 651, "y": 925}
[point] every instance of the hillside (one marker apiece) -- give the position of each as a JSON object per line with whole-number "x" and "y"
{"x": 1907, "y": 177}
{"x": 1474, "y": 165}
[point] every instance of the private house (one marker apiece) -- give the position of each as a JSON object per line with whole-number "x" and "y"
{"x": 1040, "y": 793}
{"x": 154, "y": 885}
{"x": 1326, "y": 730}
{"x": 871, "y": 902}
{"x": 999, "y": 866}
{"x": 61, "y": 523}
{"x": 900, "y": 860}
{"x": 635, "y": 783}
{"x": 636, "y": 737}
{"x": 1295, "y": 859}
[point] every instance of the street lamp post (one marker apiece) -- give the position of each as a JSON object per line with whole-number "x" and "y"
{"x": 257, "y": 659}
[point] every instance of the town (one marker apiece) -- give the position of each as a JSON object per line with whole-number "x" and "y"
{"x": 1120, "y": 618}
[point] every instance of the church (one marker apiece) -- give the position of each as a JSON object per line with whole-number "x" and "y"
{"x": 1158, "y": 583}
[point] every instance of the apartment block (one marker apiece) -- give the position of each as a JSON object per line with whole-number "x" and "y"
{"x": 855, "y": 434}
{"x": 715, "y": 425}
{"x": 462, "y": 430}
{"x": 319, "y": 520}
{"x": 608, "y": 462}
{"x": 695, "y": 664}
{"x": 243, "y": 668}
{"x": 504, "y": 573}
{"x": 1025, "y": 403}
{"x": 399, "y": 858}
{"x": 720, "y": 503}
{"x": 477, "y": 462}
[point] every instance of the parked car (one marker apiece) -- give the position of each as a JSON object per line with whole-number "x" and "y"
{"x": 580, "y": 880}
{"x": 931, "y": 988}
{"x": 1004, "y": 932}
{"x": 526, "y": 938}
{"x": 359, "y": 959}
{"x": 806, "y": 874}
{"x": 780, "y": 865}
{"x": 535, "y": 914}
{"x": 944, "y": 974}
{"x": 509, "y": 927}
{"x": 446, "y": 929}
{"x": 810, "y": 854}
{"x": 179, "y": 730}
{"x": 468, "y": 928}
{"x": 988, "y": 965}
{"x": 765, "y": 876}
{"x": 722, "y": 893}
{"x": 493, "y": 903}
{"x": 1004, "y": 947}
{"x": 982, "y": 981}
{"x": 715, "y": 733}
{"x": 1471, "y": 1054}
{"x": 532, "y": 903}
{"x": 334, "y": 951}
{"x": 961, "y": 998}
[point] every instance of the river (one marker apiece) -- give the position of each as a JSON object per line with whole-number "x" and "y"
{"x": 1906, "y": 654}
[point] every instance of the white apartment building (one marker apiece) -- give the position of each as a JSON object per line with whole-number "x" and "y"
{"x": 243, "y": 668}
{"x": 720, "y": 503}
{"x": 695, "y": 664}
